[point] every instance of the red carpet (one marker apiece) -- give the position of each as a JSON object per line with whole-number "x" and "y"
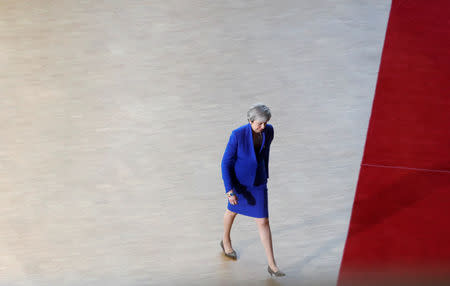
{"x": 400, "y": 222}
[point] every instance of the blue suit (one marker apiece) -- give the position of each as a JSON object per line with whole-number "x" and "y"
{"x": 246, "y": 172}
{"x": 239, "y": 162}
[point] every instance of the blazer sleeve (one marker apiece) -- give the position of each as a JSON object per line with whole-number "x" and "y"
{"x": 228, "y": 160}
{"x": 270, "y": 135}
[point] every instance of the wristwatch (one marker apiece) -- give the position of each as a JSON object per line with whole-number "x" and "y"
{"x": 230, "y": 194}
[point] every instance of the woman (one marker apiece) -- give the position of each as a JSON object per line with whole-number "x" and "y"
{"x": 245, "y": 169}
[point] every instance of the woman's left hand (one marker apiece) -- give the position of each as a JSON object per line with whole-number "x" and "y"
{"x": 232, "y": 199}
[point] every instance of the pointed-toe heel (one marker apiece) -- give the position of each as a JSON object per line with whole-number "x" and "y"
{"x": 279, "y": 273}
{"x": 231, "y": 255}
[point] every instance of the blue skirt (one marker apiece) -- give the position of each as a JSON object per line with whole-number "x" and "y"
{"x": 252, "y": 201}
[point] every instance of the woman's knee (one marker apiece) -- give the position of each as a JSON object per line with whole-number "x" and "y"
{"x": 262, "y": 221}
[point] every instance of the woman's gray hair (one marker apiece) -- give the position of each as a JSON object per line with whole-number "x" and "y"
{"x": 259, "y": 112}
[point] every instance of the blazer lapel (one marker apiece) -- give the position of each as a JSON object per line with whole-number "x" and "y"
{"x": 263, "y": 140}
{"x": 251, "y": 147}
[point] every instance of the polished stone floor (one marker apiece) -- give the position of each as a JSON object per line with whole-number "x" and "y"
{"x": 114, "y": 116}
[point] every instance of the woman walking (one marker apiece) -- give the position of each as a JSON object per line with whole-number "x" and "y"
{"x": 245, "y": 169}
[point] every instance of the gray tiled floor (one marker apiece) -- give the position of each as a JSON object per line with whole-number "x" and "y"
{"x": 114, "y": 116}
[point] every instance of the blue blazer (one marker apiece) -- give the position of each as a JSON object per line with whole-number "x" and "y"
{"x": 239, "y": 162}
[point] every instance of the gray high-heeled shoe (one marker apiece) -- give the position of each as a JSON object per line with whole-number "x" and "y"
{"x": 231, "y": 254}
{"x": 279, "y": 273}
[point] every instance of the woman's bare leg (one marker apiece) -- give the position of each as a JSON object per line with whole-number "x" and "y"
{"x": 266, "y": 239}
{"x": 228, "y": 219}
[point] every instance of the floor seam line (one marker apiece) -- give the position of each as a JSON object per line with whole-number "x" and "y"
{"x": 405, "y": 168}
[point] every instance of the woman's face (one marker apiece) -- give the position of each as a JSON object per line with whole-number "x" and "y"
{"x": 258, "y": 126}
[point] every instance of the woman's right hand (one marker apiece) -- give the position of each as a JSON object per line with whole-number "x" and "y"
{"x": 232, "y": 199}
